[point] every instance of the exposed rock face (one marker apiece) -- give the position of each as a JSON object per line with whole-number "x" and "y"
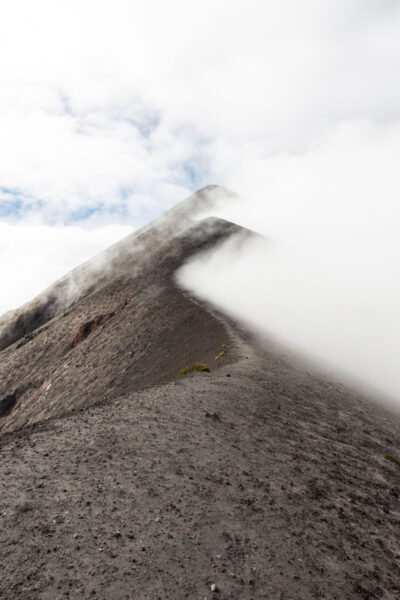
{"x": 87, "y": 328}
{"x": 7, "y": 404}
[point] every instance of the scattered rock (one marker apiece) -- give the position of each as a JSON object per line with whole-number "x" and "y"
{"x": 27, "y": 338}
{"x": 214, "y": 588}
{"x": 215, "y": 416}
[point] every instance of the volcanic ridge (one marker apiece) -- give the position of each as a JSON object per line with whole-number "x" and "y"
{"x": 152, "y": 448}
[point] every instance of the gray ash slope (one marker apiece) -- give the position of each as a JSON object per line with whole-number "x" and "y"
{"x": 148, "y": 328}
{"x": 122, "y": 479}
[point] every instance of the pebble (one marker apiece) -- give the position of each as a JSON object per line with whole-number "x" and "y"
{"x": 214, "y": 587}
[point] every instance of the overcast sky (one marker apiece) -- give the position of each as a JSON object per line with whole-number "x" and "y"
{"x": 111, "y": 112}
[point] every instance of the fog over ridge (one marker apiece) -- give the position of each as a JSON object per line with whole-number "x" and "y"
{"x": 331, "y": 292}
{"x": 295, "y": 106}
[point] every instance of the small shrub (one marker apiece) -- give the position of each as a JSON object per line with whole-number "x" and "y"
{"x": 393, "y": 459}
{"x": 223, "y": 346}
{"x": 220, "y": 355}
{"x": 197, "y": 366}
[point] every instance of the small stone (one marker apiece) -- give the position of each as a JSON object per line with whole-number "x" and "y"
{"x": 214, "y": 416}
{"x": 214, "y": 588}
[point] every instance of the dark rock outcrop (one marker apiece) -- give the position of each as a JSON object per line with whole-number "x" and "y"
{"x": 87, "y": 328}
{"x": 7, "y": 404}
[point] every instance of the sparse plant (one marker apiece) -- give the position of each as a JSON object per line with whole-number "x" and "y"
{"x": 195, "y": 367}
{"x": 220, "y": 355}
{"x": 393, "y": 459}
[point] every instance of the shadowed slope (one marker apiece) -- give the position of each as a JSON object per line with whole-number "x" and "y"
{"x": 127, "y": 256}
{"x": 136, "y": 328}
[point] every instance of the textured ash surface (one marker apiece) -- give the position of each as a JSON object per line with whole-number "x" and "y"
{"x": 261, "y": 477}
{"x": 155, "y": 331}
{"x": 283, "y": 494}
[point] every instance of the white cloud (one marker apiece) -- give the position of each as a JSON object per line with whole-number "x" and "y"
{"x": 99, "y": 97}
{"x": 112, "y": 112}
{"x": 34, "y": 256}
{"x": 328, "y": 284}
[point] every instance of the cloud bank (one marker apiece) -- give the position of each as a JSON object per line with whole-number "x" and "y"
{"x": 34, "y": 256}
{"x": 116, "y": 111}
{"x": 110, "y": 113}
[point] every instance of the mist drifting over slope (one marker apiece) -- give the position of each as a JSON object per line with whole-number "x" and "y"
{"x": 325, "y": 280}
{"x": 148, "y": 102}
{"x": 295, "y": 106}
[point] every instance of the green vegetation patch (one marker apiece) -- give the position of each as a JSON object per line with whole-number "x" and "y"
{"x": 196, "y": 366}
{"x": 393, "y": 459}
{"x": 223, "y": 346}
{"x": 220, "y": 355}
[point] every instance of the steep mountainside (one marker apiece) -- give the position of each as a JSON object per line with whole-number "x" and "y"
{"x": 125, "y": 326}
{"x": 120, "y": 478}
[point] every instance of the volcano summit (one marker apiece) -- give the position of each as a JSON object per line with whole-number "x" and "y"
{"x": 152, "y": 448}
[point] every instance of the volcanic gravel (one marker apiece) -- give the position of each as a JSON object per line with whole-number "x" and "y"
{"x": 120, "y": 478}
{"x": 270, "y": 483}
